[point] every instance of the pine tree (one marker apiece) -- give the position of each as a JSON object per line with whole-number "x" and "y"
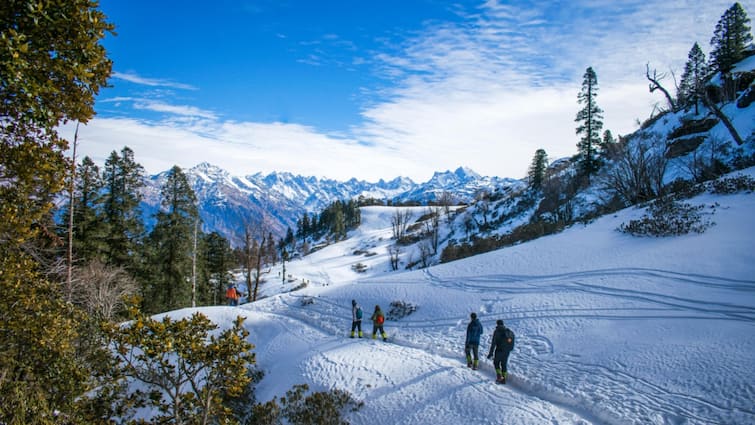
{"x": 730, "y": 39}
{"x": 218, "y": 261}
{"x": 172, "y": 241}
{"x": 693, "y": 78}
{"x": 123, "y": 179}
{"x": 590, "y": 118}
{"x": 89, "y": 232}
{"x": 537, "y": 170}
{"x": 53, "y": 66}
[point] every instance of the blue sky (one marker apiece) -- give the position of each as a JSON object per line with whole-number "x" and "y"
{"x": 379, "y": 89}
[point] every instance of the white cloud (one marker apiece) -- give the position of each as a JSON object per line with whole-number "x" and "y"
{"x": 484, "y": 93}
{"x": 153, "y": 82}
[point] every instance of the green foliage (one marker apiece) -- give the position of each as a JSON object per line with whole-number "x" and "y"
{"x": 336, "y": 219}
{"x": 188, "y": 370}
{"x": 51, "y": 68}
{"x": 40, "y": 372}
{"x": 319, "y": 408}
{"x": 172, "y": 245}
{"x": 217, "y": 258}
{"x": 123, "y": 179}
{"x": 590, "y": 118}
{"x": 730, "y": 39}
{"x": 537, "y": 169}
{"x": 692, "y": 84}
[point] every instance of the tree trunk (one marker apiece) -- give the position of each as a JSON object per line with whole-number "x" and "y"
{"x": 724, "y": 119}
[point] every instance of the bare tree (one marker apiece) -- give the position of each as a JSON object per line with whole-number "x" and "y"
{"x": 254, "y": 243}
{"x": 704, "y": 163}
{"x": 432, "y": 227}
{"x": 707, "y": 101}
{"x": 425, "y": 253}
{"x": 446, "y": 200}
{"x": 655, "y": 84}
{"x": 101, "y": 289}
{"x": 400, "y": 223}
{"x": 639, "y": 169}
{"x": 482, "y": 204}
{"x": 394, "y": 251}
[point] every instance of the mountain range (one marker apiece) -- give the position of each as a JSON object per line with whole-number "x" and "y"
{"x": 227, "y": 202}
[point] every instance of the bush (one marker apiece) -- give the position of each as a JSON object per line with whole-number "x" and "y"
{"x": 667, "y": 217}
{"x": 400, "y": 309}
{"x": 359, "y": 267}
{"x": 729, "y": 185}
{"x": 320, "y": 408}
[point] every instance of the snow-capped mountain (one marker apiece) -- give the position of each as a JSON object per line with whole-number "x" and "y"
{"x": 226, "y": 202}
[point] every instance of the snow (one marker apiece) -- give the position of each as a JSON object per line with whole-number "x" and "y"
{"x": 611, "y": 329}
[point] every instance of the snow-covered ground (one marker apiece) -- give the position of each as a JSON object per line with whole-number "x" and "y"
{"x": 611, "y": 329}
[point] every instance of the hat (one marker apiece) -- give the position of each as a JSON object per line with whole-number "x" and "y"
{"x": 499, "y": 322}
{"x": 353, "y": 302}
{"x": 473, "y": 315}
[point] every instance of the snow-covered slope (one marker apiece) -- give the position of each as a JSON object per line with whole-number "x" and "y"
{"x": 611, "y": 329}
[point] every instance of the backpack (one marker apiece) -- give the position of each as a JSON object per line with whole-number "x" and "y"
{"x": 359, "y": 313}
{"x": 380, "y": 319}
{"x": 509, "y": 336}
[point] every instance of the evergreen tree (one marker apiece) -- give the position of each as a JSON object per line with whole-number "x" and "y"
{"x": 172, "y": 240}
{"x": 730, "y": 39}
{"x": 89, "y": 230}
{"x": 218, "y": 258}
{"x": 590, "y": 119}
{"x": 123, "y": 179}
{"x": 52, "y": 66}
{"x": 537, "y": 170}
{"x": 693, "y": 78}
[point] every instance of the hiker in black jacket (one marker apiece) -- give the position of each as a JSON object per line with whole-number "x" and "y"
{"x": 501, "y": 346}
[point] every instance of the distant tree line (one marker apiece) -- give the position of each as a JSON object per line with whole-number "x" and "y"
{"x": 333, "y": 221}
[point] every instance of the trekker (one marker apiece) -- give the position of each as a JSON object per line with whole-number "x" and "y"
{"x": 356, "y": 318}
{"x": 377, "y": 323}
{"x": 501, "y": 346}
{"x": 472, "y": 344}
{"x": 233, "y": 295}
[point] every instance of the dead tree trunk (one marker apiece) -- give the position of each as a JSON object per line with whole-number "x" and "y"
{"x": 655, "y": 84}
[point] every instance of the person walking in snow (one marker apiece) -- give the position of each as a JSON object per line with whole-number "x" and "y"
{"x": 233, "y": 295}
{"x": 500, "y": 347}
{"x": 356, "y": 318}
{"x": 472, "y": 343}
{"x": 377, "y": 323}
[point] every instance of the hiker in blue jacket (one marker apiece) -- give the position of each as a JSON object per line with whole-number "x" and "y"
{"x": 356, "y": 318}
{"x": 472, "y": 344}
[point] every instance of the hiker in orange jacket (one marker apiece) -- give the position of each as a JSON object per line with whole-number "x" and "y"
{"x": 377, "y": 323}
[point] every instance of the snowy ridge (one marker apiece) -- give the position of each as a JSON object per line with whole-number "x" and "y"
{"x": 225, "y": 201}
{"x": 611, "y": 329}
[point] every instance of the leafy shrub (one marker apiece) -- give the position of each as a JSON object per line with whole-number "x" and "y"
{"x": 400, "y": 309}
{"x": 319, "y": 408}
{"x": 184, "y": 366}
{"x": 667, "y": 217}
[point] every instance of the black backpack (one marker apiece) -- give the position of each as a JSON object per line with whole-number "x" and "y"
{"x": 509, "y": 334}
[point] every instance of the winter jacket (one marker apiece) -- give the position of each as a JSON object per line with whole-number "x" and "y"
{"x": 474, "y": 331}
{"x": 354, "y": 308}
{"x": 374, "y": 318}
{"x": 503, "y": 340}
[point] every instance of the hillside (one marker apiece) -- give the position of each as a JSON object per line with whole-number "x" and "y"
{"x": 611, "y": 328}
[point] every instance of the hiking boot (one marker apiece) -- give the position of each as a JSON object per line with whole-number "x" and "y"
{"x": 474, "y": 365}
{"x": 469, "y": 364}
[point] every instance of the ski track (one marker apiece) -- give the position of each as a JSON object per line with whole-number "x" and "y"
{"x": 628, "y": 395}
